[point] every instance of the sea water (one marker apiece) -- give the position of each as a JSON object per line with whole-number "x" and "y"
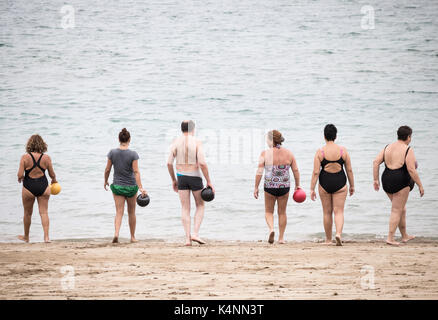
{"x": 78, "y": 73}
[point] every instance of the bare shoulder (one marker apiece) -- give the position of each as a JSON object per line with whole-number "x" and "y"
{"x": 290, "y": 153}
{"x": 343, "y": 149}
{"x": 46, "y": 159}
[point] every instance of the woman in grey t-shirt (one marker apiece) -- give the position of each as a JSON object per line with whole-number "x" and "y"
{"x": 126, "y": 182}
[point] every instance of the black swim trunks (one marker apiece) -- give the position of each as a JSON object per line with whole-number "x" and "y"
{"x": 277, "y": 192}
{"x": 189, "y": 183}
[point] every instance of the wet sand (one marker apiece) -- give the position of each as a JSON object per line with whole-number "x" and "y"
{"x": 218, "y": 270}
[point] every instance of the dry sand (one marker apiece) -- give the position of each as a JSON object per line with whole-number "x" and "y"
{"x": 218, "y": 270}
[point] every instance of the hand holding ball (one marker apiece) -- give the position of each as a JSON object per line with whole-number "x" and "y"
{"x": 143, "y": 201}
{"x": 299, "y": 195}
{"x": 207, "y": 194}
{"x": 55, "y": 188}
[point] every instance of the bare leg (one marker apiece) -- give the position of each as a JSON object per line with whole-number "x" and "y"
{"x": 28, "y": 201}
{"x": 43, "y": 206}
{"x": 402, "y": 227}
{"x": 184, "y": 197}
{"x": 282, "y": 217}
{"x": 119, "y": 202}
{"x": 269, "y": 214}
{"x": 327, "y": 209}
{"x": 199, "y": 215}
{"x": 399, "y": 200}
{"x": 338, "y": 207}
{"x": 132, "y": 218}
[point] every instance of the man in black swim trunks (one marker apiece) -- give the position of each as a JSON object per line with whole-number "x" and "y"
{"x": 190, "y": 160}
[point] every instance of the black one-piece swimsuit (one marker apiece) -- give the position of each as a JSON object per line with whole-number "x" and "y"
{"x": 332, "y": 182}
{"x": 393, "y": 180}
{"x": 39, "y": 185}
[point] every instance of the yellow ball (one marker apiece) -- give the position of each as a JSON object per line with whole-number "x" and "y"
{"x": 55, "y": 188}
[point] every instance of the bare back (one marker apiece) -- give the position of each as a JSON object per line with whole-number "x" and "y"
{"x": 395, "y": 155}
{"x": 332, "y": 152}
{"x": 278, "y": 156}
{"x": 28, "y": 163}
{"x": 187, "y": 151}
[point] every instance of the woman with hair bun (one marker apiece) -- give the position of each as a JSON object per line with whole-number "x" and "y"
{"x": 276, "y": 163}
{"x": 31, "y": 172}
{"x": 126, "y": 182}
{"x": 328, "y": 166}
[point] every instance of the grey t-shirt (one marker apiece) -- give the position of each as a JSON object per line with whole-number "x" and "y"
{"x": 122, "y": 162}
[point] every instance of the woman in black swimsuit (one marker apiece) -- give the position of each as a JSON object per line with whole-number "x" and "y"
{"x": 398, "y": 180}
{"x": 332, "y": 182}
{"x": 31, "y": 172}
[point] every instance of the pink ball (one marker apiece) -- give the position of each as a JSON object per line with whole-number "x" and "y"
{"x": 299, "y": 195}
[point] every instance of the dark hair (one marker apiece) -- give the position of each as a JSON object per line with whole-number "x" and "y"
{"x": 187, "y": 126}
{"x": 403, "y": 133}
{"x": 330, "y": 132}
{"x": 124, "y": 136}
{"x": 276, "y": 137}
{"x": 36, "y": 144}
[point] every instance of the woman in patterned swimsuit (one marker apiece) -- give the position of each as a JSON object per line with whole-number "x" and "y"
{"x": 276, "y": 162}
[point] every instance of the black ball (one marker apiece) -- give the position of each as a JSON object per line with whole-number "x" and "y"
{"x": 143, "y": 201}
{"x": 207, "y": 194}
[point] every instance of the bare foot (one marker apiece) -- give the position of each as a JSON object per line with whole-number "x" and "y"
{"x": 116, "y": 240}
{"x": 392, "y": 243}
{"x": 405, "y": 240}
{"x": 198, "y": 240}
{"x": 133, "y": 240}
{"x": 338, "y": 241}
{"x": 281, "y": 241}
{"x": 188, "y": 244}
{"x": 271, "y": 237}
{"x": 327, "y": 242}
{"x": 47, "y": 240}
{"x": 23, "y": 238}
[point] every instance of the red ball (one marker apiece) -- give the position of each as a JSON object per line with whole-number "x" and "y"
{"x": 299, "y": 195}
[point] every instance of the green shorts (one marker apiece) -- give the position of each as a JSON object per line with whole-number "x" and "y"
{"x": 125, "y": 191}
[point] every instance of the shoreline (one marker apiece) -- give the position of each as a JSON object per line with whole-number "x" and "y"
{"x": 347, "y": 239}
{"x": 218, "y": 270}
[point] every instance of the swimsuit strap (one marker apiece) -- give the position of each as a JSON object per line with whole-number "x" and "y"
{"x": 38, "y": 162}
{"x": 340, "y": 160}
{"x": 407, "y": 150}
{"x": 35, "y": 163}
{"x": 384, "y": 154}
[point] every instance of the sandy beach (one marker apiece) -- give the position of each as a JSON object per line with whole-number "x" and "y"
{"x": 218, "y": 270}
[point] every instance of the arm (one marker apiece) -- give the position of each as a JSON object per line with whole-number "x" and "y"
{"x": 20, "y": 173}
{"x": 109, "y": 164}
{"x": 52, "y": 174}
{"x": 315, "y": 175}
{"x": 349, "y": 170}
{"x": 376, "y": 164}
{"x": 295, "y": 171}
{"x": 410, "y": 163}
{"x": 203, "y": 165}
{"x": 259, "y": 174}
{"x": 137, "y": 177}
{"x": 170, "y": 161}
